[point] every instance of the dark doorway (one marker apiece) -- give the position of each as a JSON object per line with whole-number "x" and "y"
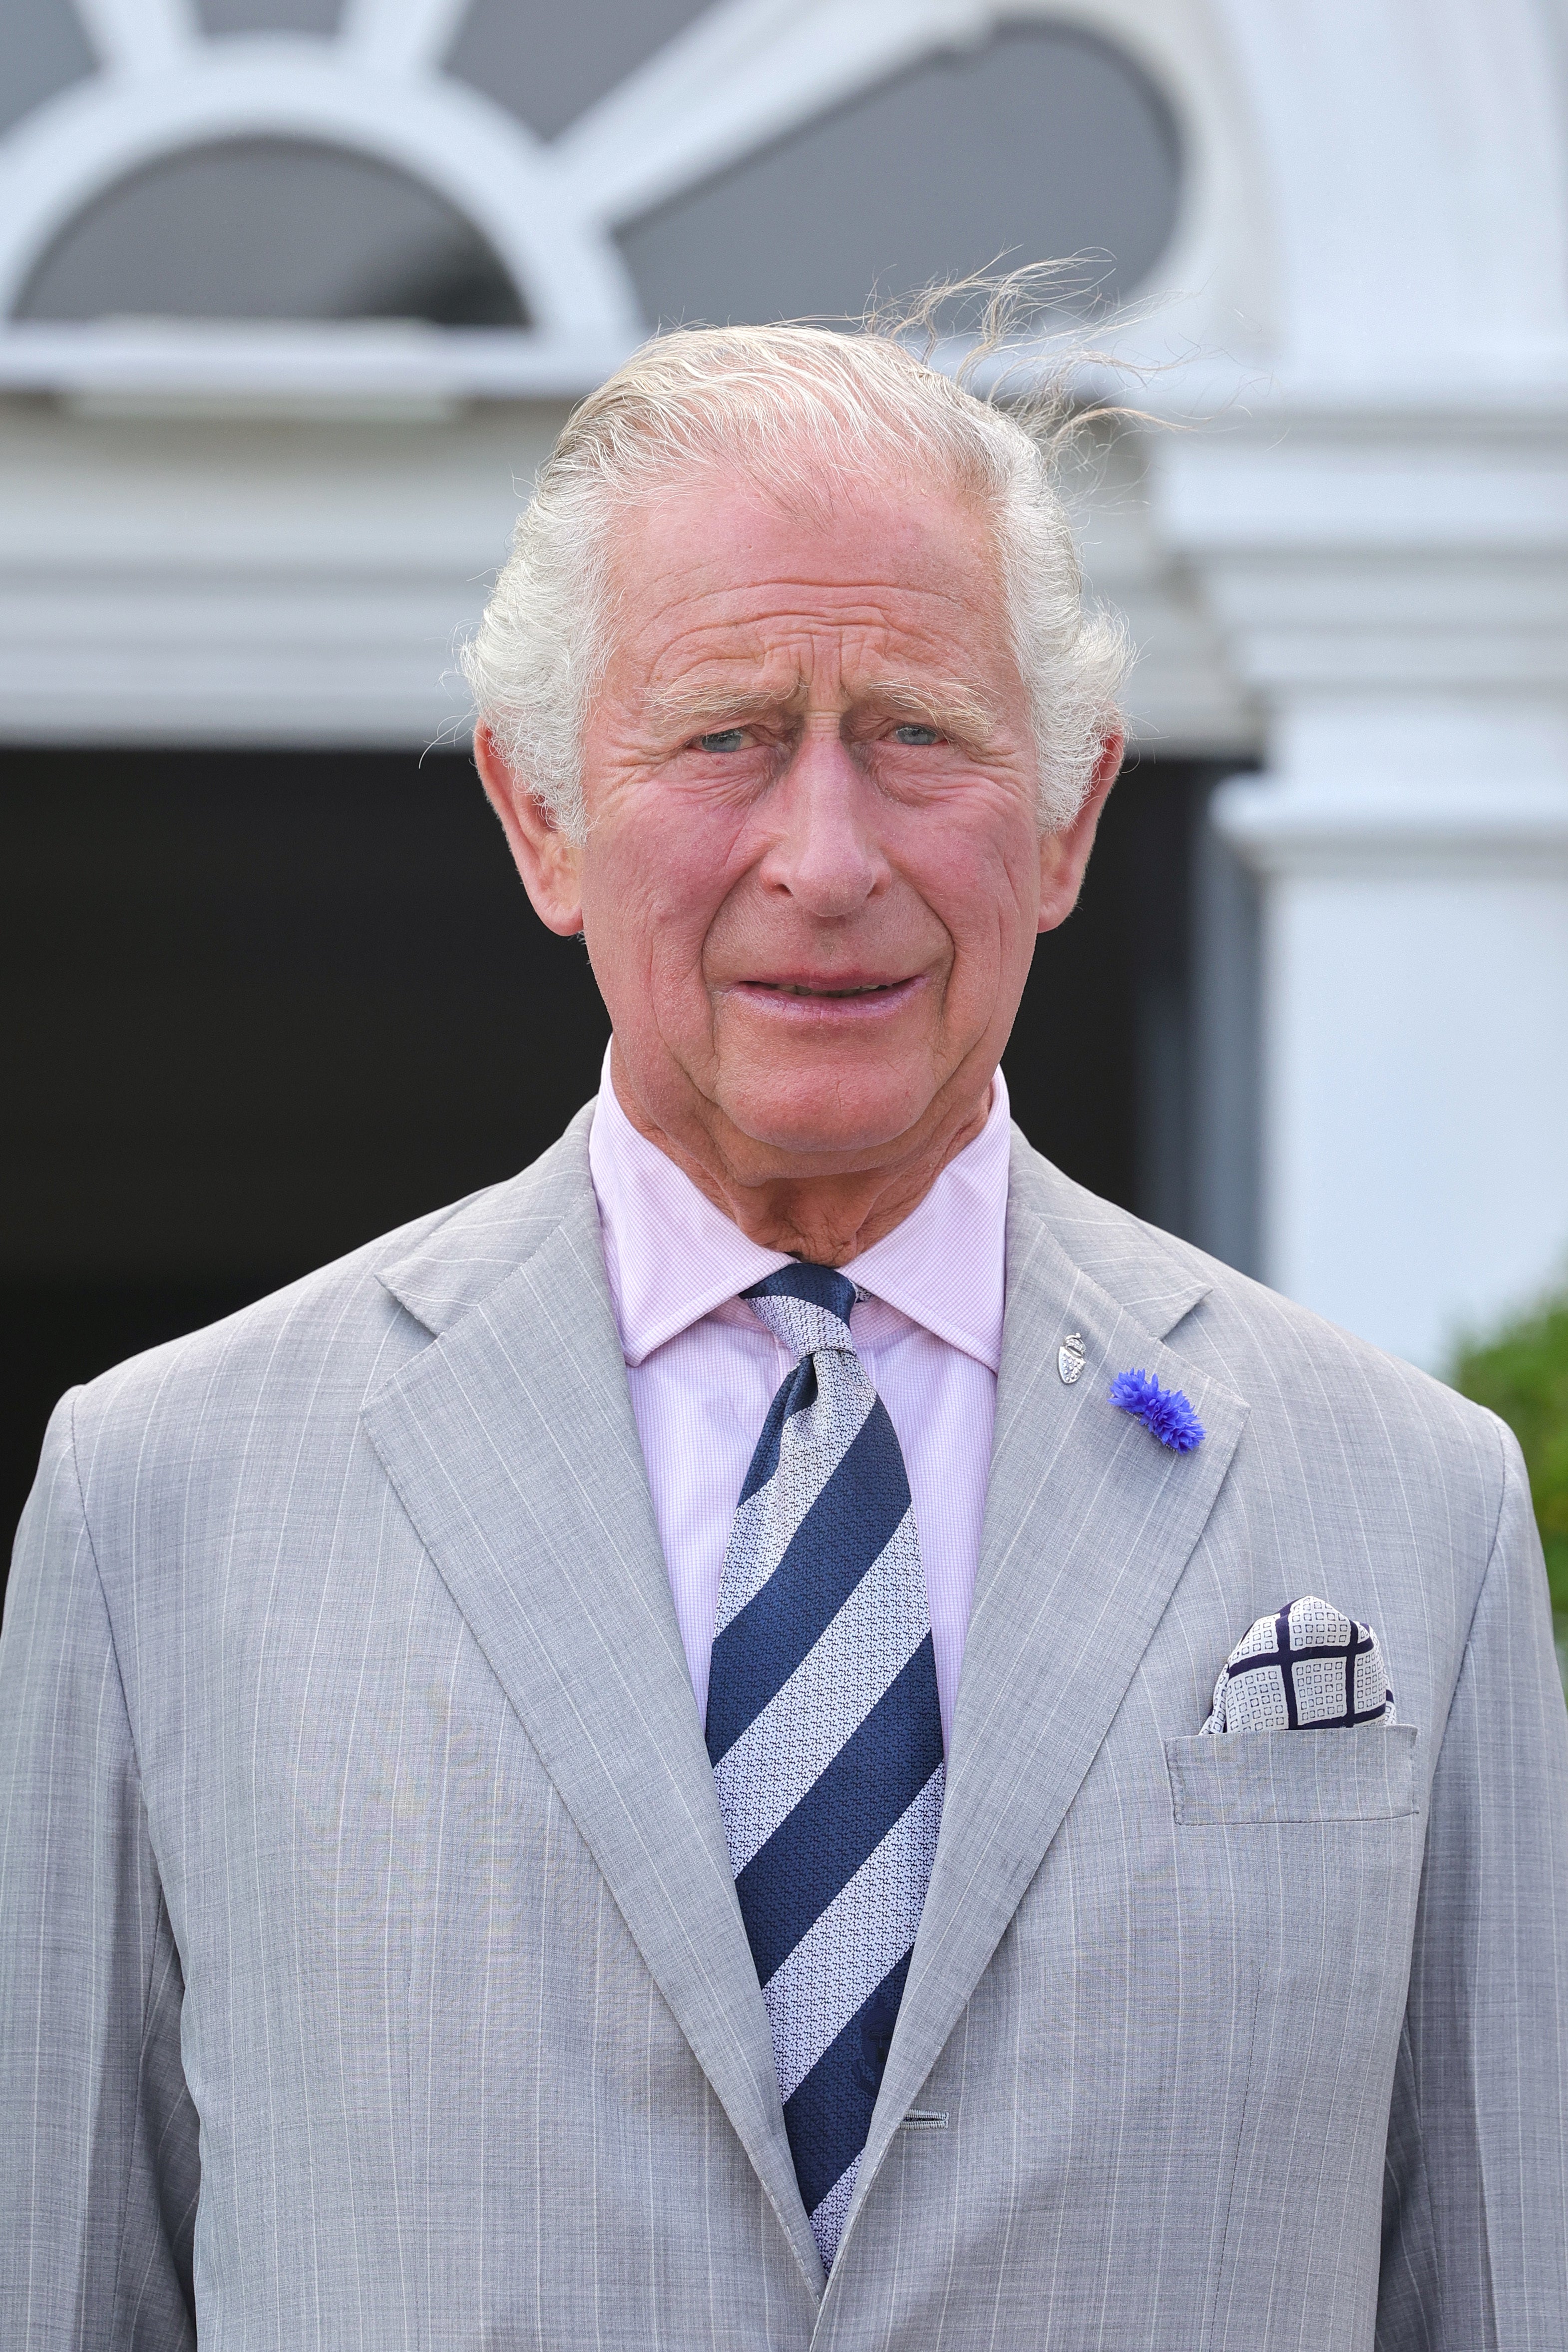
{"x": 261, "y": 1006}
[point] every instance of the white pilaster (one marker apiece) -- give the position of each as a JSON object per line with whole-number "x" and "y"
{"x": 1380, "y": 526}
{"x": 1415, "y": 1085}
{"x": 1395, "y": 584}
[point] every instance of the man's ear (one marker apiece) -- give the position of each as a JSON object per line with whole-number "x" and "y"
{"x": 550, "y": 865}
{"x": 1065, "y": 855}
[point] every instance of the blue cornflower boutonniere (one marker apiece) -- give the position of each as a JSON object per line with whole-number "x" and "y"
{"x": 1164, "y": 1412}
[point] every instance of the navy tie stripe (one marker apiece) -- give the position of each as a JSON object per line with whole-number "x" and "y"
{"x": 849, "y": 1524}
{"x": 850, "y": 2066}
{"x": 856, "y": 1943}
{"x": 825, "y": 1733}
{"x": 822, "y": 1428}
{"x": 832, "y": 1294}
{"x": 871, "y": 1783}
{"x": 767, "y": 1771}
{"x": 795, "y": 1396}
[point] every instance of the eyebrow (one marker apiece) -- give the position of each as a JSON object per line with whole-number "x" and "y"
{"x": 955, "y": 710}
{"x": 951, "y": 709}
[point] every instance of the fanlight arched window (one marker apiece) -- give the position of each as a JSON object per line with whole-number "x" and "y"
{"x": 568, "y": 178}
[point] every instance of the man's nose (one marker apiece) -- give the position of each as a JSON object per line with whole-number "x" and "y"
{"x": 826, "y": 853}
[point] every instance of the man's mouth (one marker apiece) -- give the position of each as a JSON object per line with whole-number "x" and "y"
{"x": 799, "y": 997}
{"x": 810, "y": 988}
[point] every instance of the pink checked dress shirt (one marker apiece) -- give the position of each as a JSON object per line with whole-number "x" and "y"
{"x": 703, "y": 1370}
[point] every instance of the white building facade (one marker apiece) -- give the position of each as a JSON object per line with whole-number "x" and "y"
{"x": 1344, "y": 556}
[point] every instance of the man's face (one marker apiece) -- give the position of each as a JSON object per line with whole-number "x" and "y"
{"x": 814, "y": 873}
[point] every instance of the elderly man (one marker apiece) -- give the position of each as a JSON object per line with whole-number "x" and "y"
{"x": 784, "y": 1729}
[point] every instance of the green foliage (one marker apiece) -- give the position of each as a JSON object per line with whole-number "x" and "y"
{"x": 1522, "y": 1374}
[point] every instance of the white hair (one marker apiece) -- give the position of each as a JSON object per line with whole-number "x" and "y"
{"x": 794, "y": 406}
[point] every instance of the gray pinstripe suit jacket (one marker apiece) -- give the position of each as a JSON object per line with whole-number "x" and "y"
{"x": 371, "y": 1972}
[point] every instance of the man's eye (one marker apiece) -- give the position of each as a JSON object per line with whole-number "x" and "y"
{"x": 727, "y": 739}
{"x": 916, "y": 735}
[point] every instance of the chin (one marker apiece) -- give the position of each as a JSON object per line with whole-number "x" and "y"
{"x": 821, "y": 1116}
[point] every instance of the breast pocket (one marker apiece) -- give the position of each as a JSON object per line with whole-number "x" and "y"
{"x": 1254, "y": 1777}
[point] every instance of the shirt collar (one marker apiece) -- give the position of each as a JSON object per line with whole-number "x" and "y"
{"x": 946, "y": 1265}
{"x": 671, "y": 1257}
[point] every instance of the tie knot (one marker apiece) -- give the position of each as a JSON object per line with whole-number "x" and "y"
{"x": 807, "y": 1307}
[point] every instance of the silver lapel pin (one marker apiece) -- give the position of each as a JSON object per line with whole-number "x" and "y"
{"x": 1070, "y": 1358}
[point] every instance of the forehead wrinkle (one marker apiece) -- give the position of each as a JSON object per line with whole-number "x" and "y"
{"x": 802, "y": 644}
{"x": 785, "y": 603}
{"x": 747, "y": 649}
{"x": 828, "y": 605}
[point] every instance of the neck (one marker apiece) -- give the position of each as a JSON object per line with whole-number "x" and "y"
{"x": 828, "y": 1219}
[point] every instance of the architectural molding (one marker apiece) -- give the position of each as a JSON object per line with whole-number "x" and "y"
{"x": 1379, "y": 829}
{"x": 299, "y": 572}
{"x": 349, "y": 370}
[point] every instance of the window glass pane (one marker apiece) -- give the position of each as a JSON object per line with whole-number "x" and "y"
{"x": 269, "y": 15}
{"x": 1041, "y": 143}
{"x": 271, "y": 229}
{"x": 548, "y": 63}
{"x": 42, "y": 48}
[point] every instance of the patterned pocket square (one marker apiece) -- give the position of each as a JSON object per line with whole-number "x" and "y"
{"x": 1310, "y": 1668}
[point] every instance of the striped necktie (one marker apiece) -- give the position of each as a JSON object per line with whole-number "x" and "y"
{"x": 825, "y": 1733}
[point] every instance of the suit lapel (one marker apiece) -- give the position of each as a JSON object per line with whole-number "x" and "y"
{"x": 1088, "y": 1524}
{"x": 511, "y": 1446}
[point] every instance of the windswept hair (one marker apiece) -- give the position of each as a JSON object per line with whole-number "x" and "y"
{"x": 797, "y": 407}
